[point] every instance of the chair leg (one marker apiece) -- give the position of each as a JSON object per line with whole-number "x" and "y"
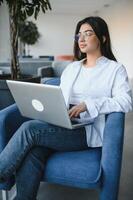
{"x": 5, "y": 195}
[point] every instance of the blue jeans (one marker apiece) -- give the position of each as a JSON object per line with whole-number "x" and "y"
{"x": 27, "y": 151}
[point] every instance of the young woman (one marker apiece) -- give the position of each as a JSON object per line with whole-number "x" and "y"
{"x": 95, "y": 84}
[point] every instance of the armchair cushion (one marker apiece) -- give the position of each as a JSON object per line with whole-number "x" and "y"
{"x": 80, "y": 168}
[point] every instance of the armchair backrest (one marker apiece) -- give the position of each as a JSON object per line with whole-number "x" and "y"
{"x": 6, "y": 97}
{"x": 112, "y": 153}
{"x": 52, "y": 81}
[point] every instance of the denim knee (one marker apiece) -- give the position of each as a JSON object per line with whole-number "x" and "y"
{"x": 33, "y": 128}
{"x": 29, "y": 125}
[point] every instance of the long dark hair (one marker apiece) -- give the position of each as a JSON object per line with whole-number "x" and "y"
{"x": 100, "y": 28}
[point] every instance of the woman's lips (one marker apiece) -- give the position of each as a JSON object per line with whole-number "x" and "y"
{"x": 82, "y": 46}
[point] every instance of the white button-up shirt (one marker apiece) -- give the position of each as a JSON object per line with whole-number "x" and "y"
{"x": 104, "y": 88}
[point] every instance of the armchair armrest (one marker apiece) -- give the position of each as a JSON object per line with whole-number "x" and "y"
{"x": 45, "y": 71}
{"x": 10, "y": 120}
{"x": 112, "y": 155}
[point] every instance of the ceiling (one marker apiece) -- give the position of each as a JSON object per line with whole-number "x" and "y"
{"x": 79, "y": 7}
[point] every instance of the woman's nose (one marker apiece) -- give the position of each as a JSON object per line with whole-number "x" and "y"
{"x": 81, "y": 38}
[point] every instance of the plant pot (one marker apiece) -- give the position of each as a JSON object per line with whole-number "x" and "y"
{"x": 6, "y": 97}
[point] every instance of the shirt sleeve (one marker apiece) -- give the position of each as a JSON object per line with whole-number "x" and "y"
{"x": 120, "y": 101}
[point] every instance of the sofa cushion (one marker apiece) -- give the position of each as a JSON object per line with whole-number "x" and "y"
{"x": 75, "y": 168}
{"x": 59, "y": 66}
{"x": 45, "y": 71}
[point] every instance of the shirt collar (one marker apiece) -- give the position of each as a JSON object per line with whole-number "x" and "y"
{"x": 100, "y": 60}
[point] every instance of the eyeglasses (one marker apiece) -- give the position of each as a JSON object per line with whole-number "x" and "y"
{"x": 85, "y": 35}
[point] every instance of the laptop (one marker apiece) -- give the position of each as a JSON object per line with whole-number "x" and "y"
{"x": 43, "y": 102}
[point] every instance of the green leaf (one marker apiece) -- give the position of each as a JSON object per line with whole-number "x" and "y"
{"x": 44, "y": 4}
{"x": 37, "y": 10}
{"x": 30, "y": 11}
{"x": 1, "y": 1}
{"x": 28, "y": 32}
{"x": 25, "y": 8}
{"x": 23, "y": 15}
{"x": 43, "y": 9}
{"x": 49, "y": 5}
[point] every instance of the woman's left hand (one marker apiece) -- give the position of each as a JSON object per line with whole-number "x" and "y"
{"x": 77, "y": 109}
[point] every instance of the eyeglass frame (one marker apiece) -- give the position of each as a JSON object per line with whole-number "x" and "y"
{"x": 84, "y": 34}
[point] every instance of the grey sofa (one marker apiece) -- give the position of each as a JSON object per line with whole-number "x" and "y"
{"x": 26, "y": 67}
{"x": 47, "y": 72}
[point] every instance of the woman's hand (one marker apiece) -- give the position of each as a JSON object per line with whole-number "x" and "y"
{"x": 76, "y": 110}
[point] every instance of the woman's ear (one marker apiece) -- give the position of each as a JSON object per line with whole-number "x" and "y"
{"x": 104, "y": 39}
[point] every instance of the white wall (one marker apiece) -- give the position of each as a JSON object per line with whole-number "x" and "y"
{"x": 4, "y": 33}
{"x": 57, "y": 33}
{"x": 119, "y": 17}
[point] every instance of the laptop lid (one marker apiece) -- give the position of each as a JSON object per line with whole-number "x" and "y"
{"x": 40, "y": 101}
{"x": 43, "y": 102}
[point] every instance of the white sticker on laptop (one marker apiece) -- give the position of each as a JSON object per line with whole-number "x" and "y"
{"x": 37, "y": 105}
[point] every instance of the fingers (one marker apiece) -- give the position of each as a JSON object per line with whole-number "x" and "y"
{"x": 74, "y": 112}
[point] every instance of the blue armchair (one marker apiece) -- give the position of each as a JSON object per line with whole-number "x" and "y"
{"x": 95, "y": 168}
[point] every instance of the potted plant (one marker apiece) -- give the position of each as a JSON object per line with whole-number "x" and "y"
{"x": 18, "y": 11}
{"x": 21, "y": 10}
{"x": 28, "y": 35}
